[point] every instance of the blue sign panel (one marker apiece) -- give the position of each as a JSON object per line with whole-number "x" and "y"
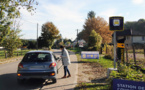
{"x": 116, "y": 23}
{"x": 90, "y": 55}
{"x": 127, "y": 85}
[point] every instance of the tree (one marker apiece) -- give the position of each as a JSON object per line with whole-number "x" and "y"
{"x": 138, "y": 26}
{"x": 95, "y": 41}
{"x": 24, "y": 43}
{"x": 9, "y": 9}
{"x": 58, "y": 42}
{"x": 91, "y": 14}
{"x": 12, "y": 42}
{"x": 100, "y": 26}
{"x": 48, "y": 35}
{"x": 32, "y": 44}
{"x": 80, "y": 35}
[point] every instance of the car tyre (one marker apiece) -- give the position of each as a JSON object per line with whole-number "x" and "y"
{"x": 54, "y": 80}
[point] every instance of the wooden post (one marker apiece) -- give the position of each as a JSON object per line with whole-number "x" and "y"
{"x": 21, "y": 51}
{"x": 134, "y": 54}
{"x": 5, "y": 54}
{"x": 144, "y": 51}
{"x": 17, "y": 53}
{"x": 126, "y": 53}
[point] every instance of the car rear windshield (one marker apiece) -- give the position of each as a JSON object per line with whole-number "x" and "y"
{"x": 37, "y": 57}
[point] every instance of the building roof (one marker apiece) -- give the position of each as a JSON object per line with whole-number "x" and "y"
{"x": 129, "y": 32}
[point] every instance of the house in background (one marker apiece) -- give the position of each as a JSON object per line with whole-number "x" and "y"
{"x": 79, "y": 41}
{"x": 131, "y": 37}
{"x": 1, "y": 48}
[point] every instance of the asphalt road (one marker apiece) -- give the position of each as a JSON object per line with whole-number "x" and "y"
{"x": 8, "y": 78}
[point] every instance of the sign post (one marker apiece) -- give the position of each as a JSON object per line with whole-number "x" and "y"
{"x": 114, "y": 49}
{"x": 116, "y": 24}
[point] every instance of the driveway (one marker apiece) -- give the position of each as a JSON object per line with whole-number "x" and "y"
{"x": 8, "y": 77}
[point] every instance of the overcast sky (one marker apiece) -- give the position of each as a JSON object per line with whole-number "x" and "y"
{"x": 69, "y": 15}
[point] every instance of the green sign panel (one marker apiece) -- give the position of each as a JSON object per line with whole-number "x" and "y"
{"x": 116, "y": 23}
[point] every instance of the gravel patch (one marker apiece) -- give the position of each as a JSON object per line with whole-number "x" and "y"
{"x": 91, "y": 72}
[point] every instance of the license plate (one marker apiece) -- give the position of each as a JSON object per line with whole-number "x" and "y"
{"x": 36, "y": 67}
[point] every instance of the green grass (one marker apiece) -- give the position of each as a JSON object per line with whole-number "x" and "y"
{"x": 139, "y": 51}
{"x": 92, "y": 86}
{"x": 75, "y": 49}
{"x": 106, "y": 63}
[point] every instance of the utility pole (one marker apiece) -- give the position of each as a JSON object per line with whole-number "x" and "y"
{"x": 77, "y": 38}
{"x": 37, "y": 36}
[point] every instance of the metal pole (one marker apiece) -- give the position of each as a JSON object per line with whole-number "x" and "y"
{"x": 114, "y": 49}
{"x": 77, "y": 36}
{"x": 37, "y": 36}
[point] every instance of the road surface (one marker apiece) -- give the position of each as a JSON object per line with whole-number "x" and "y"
{"x": 8, "y": 78}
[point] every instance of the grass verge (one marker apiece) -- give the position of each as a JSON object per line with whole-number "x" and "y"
{"x": 92, "y": 86}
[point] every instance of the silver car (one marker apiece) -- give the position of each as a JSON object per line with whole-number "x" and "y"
{"x": 38, "y": 64}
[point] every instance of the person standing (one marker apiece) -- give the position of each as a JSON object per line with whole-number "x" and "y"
{"x": 65, "y": 61}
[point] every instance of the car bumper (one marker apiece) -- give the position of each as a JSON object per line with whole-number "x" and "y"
{"x": 43, "y": 75}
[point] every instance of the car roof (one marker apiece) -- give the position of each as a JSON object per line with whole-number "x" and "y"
{"x": 41, "y": 51}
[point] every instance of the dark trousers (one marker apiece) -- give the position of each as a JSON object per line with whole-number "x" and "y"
{"x": 66, "y": 70}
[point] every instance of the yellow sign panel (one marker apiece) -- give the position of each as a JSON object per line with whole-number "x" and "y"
{"x": 121, "y": 45}
{"x": 116, "y": 22}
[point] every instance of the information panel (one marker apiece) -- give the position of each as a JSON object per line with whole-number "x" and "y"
{"x": 127, "y": 85}
{"x": 116, "y": 23}
{"x": 90, "y": 54}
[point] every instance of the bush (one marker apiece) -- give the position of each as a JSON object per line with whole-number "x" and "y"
{"x": 108, "y": 56}
{"x": 127, "y": 73}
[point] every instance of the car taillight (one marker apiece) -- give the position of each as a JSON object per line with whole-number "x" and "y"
{"x": 52, "y": 74}
{"x": 52, "y": 64}
{"x": 19, "y": 74}
{"x": 20, "y": 65}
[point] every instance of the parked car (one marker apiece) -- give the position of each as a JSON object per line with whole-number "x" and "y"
{"x": 38, "y": 64}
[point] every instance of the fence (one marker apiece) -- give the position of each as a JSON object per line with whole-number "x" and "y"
{"x": 4, "y": 54}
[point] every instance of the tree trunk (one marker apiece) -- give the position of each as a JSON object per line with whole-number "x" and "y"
{"x": 101, "y": 50}
{"x": 106, "y": 50}
{"x": 134, "y": 54}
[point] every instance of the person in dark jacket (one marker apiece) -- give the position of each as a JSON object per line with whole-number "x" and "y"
{"x": 65, "y": 61}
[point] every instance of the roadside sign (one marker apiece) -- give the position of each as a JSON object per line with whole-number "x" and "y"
{"x": 90, "y": 55}
{"x": 119, "y": 84}
{"x": 116, "y": 23}
{"x": 120, "y": 45}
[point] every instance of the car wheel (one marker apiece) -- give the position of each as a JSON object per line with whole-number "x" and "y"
{"x": 54, "y": 80}
{"x": 20, "y": 81}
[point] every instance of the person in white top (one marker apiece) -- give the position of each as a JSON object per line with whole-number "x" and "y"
{"x": 65, "y": 61}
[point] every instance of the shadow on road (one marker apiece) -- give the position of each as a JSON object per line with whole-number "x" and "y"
{"x": 79, "y": 62}
{"x": 9, "y": 82}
